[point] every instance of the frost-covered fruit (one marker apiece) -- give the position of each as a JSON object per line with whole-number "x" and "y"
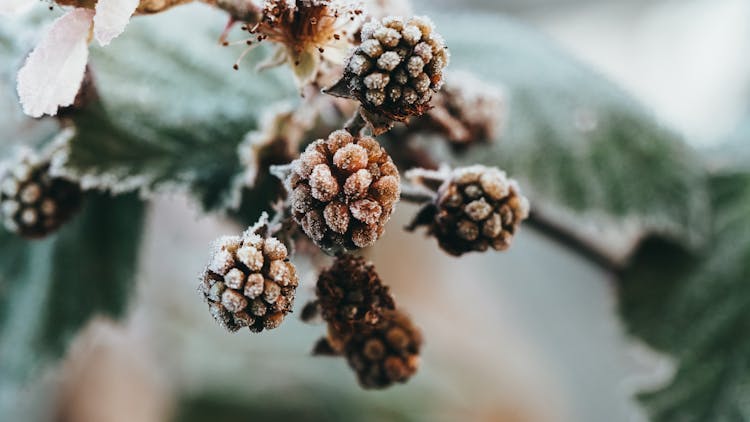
{"x": 249, "y": 282}
{"x": 342, "y": 191}
{"x": 476, "y": 208}
{"x": 33, "y": 203}
{"x": 351, "y": 293}
{"x": 466, "y": 111}
{"x": 386, "y": 354}
{"x": 396, "y": 69}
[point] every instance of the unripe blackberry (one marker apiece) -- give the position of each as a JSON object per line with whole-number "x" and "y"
{"x": 396, "y": 69}
{"x": 476, "y": 208}
{"x": 350, "y": 293}
{"x": 342, "y": 191}
{"x": 249, "y": 282}
{"x": 386, "y": 354}
{"x": 33, "y": 203}
{"x": 466, "y": 111}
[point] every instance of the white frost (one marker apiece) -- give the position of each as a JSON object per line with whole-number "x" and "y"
{"x": 53, "y": 72}
{"x": 14, "y": 7}
{"x": 112, "y": 16}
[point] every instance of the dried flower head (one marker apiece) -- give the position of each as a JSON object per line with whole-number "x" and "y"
{"x": 385, "y": 354}
{"x": 395, "y": 70}
{"x": 249, "y": 281}
{"x": 308, "y": 33}
{"x": 33, "y": 203}
{"x": 342, "y": 191}
{"x": 475, "y": 208}
{"x": 276, "y": 142}
{"x": 466, "y": 111}
{"x": 350, "y": 293}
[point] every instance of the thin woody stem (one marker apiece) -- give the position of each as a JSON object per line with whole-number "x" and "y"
{"x": 355, "y": 124}
{"x": 558, "y": 233}
{"x": 415, "y": 194}
{"x": 575, "y": 242}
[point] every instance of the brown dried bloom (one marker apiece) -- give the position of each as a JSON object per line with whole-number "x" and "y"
{"x": 395, "y": 70}
{"x": 475, "y": 208}
{"x": 33, "y": 203}
{"x": 276, "y": 142}
{"x": 249, "y": 282}
{"x": 308, "y": 32}
{"x": 467, "y": 110}
{"x": 350, "y": 293}
{"x": 342, "y": 191}
{"x": 385, "y": 354}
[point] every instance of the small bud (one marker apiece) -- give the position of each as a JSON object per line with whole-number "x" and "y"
{"x": 394, "y": 71}
{"x": 249, "y": 282}
{"x": 34, "y": 204}
{"x": 476, "y": 208}
{"x": 386, "y": 354}
{"x": 350, "y": 293}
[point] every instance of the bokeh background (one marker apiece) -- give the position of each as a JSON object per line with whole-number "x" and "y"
{"x": 532, "y": 334}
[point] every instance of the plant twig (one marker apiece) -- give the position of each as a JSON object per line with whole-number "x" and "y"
{"x": 355, "y": 124}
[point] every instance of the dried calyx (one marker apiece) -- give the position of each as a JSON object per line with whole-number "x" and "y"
{"x": 394, "y": 71}
{"x": 34, "y": 203}
{"x": 475, "y": 208}
{"x": 342, "y": 191}
{"x": 249, "y": 281}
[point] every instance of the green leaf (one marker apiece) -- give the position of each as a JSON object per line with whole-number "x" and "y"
{"x": 697, "y": 308}
{"x": 174, "y": 110}
{"x": 573, "y": 138}
{"x": 17, "y": 128}
{"x": 50, "y": 288}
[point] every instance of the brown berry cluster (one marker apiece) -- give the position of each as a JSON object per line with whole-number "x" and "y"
{"x": 33, "y": 203}
{"x": 464, "y": 112}
{"x": 387, "y": 353}
{"x": 351, "y": 293}
{"x": 380, "y": 343}
{"x": 249, "y": 282}
{"x": 476, "y": 208}
{"x": 343, "y": 190}
{"x": 396, "y": 69}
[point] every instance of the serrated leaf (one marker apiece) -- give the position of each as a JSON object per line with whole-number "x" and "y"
{"x": 50, "y": 288}
{"x": 574, "y": 138}
{"x": 697, "y": 307}
{"x": 174, "y": 110}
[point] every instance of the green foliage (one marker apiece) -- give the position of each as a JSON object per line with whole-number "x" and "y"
{"x": 173, "y": 109}
{"x": 573, "y": 137}
{"x": 50, "y": 288}
{"x": 697, "y": 309}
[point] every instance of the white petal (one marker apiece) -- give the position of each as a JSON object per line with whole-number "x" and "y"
{"x": 112, "y": 16}
{"x": 53, "y": 72}
{"x": 14, "y": 7}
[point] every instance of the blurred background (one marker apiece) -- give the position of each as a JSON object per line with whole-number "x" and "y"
{"x": 532, "y": 334}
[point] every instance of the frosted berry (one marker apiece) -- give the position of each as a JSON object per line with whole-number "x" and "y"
{"x": 33, "y": 203}
{"x": 249, "y": 282}
{"x": 350, "y": 293}
{"x": 342, "y": 191}
{"x": 476, "y": 208}
{"x": 466, "y": 111}
{"x": 386, "y": 354}
{"x": 396, "y": 69}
